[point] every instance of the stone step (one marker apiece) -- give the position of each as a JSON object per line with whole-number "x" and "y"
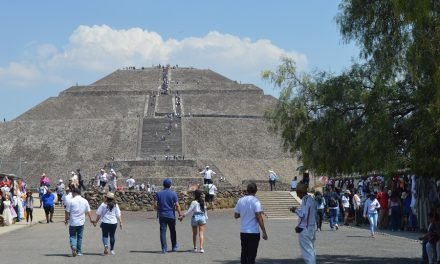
{"x": 276, "y": 204}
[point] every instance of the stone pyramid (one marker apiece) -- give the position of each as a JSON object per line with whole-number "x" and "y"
{"x": 150, "y": 123}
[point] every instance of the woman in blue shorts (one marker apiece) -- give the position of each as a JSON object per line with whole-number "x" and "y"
{"x": 198, "y": 219}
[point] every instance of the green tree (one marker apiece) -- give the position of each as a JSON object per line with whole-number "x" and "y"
{"x": 382, "y": 114}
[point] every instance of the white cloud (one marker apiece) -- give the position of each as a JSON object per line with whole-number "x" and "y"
{"x": 19, "y": 75}
{"x": 102, "y": 49}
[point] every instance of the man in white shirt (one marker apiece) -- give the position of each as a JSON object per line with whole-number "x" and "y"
{"x": 66, "y": 196}
{"x": 249, "y": 210}
{"x": 102, "y": 179}
{"x": 76, "y": 209}
{"x": 130, "y": 183}
{"x": 113, "y": 185}
{"x": 293, "y": 184}
{"x": 210, "y": 191}
{"x": 207, "y": 175}
{"x": 272, "y": 179}
{"x": 306, "y": 225}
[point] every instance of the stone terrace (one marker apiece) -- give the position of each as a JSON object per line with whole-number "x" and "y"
{"x": 132, "y": 77}
{"x": 91, "y": 107}
{"x": 241, "y": 104}
{"x": 240, "y": 138}
{"x": 55, "y": 140}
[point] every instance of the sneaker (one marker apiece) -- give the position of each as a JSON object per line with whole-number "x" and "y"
{"x": 80, "y": 253}
{"x": 112, "y": 252}
{"x": 195, "y": 250}
{"x": 202, "y": 250}
{"x": 74, "y": 252}
{"x": 164, "y": 251}
{"x": 337, "y": 227}
{"x": 105, "y": 250}
{"x": 175, "y": 248}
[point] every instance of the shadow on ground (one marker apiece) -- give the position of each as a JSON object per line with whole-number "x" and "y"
{"x": 332, "y": 259}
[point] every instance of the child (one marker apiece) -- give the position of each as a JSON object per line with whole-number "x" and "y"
{"x": 29, "y": 204}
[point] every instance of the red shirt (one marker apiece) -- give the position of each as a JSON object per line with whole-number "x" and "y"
{"x": 383, "y": 197}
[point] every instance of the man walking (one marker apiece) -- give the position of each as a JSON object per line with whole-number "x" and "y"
{"x": 167, "y": 203}
{"x": 48, "y": 202}
{"x": 306, "y": 225}
{"x": 249, "y": 210}
{"x": 76, "y": 209}
{"x": 80, "y": 179}
{"x": 272, "y": 179}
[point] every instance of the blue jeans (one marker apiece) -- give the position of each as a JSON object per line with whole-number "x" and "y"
{"x": 171, "y": 223}
{"x": 333, "y": 217}
{"x": 75, "y": 237}
{"x": 372, "y": 217}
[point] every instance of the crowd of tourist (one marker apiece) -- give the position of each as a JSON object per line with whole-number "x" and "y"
{"x": 14, "y": 200}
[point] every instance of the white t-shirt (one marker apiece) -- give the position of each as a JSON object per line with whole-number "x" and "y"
{"x": 345, "y": 201}
{"x": 208, "y": 173}
{"x": 247, "y": 207}
{"x": 293, "y": 184}
{"x": 130, "y": 182}
{"x": 77, "y": 207}
{"x": 66, "y": 198}
{"x": 108, "y": 217}
{"x": 212, "y": 189}
{"x": 195, "y": 208}
{"x": 307, "y": 212}
{"x": 103, "y": 177}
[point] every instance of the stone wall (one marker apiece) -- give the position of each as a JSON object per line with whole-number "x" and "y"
{"x": 232, "y": 138}
{"x": 144, "y": 201}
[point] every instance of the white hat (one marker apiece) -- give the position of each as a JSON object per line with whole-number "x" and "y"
{"x": 61, "y": 180}
{"x": 207, "y": 167}
{"x": 73, "y": 173}
{"x": 112, "y": 170}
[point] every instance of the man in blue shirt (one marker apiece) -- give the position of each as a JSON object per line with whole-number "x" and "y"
{"x": 167, "y": 203}
{"x": 47, "y": 200}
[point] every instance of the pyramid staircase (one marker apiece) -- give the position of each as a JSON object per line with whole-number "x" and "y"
{"x": 58, "y": 214}
{"x": 276, "y": 204}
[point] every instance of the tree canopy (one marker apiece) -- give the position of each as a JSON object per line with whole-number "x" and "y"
{"x": 383, "y": 113}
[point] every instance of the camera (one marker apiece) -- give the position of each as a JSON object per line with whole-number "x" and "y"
{"x": 298, "y": 229}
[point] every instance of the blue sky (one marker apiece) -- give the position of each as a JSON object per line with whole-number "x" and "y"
{"x": 48, "y": 46}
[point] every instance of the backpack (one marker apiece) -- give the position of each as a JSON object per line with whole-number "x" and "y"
{"x": 333, "y": 202}
{"x": 319, "y": 200}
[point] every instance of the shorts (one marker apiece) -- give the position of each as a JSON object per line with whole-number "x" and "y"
{"x": 198, "y": 219}
{"x": 48, "y": 209}
{"x": 209, "y": 198}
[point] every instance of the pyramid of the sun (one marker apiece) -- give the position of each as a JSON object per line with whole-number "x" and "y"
{"x": 127, "y": 118}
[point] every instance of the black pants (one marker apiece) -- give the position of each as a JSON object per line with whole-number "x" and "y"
{"x": 249, "y": 247}
{"x": 272, "y": 185}
{"x": 81, "y": 185}
{"x": 207, "y": 181}
{"x": 319, "y": 217}
{"x": 29, "y": 214}
{"x": 109, "y": 230}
